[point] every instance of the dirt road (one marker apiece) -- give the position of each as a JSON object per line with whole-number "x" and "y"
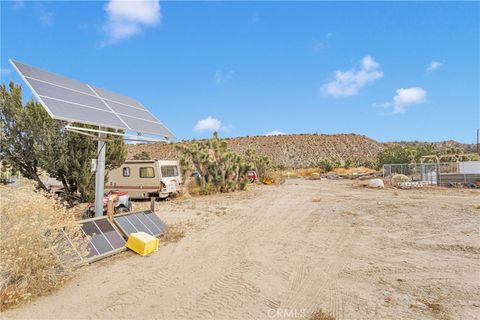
{"x": 282, "y": 252}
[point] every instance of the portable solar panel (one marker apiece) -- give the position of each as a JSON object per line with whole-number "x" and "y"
{"x": 73, "y": 101}
{"x": 143, "y": 221}
{"x": 104, "y": 239}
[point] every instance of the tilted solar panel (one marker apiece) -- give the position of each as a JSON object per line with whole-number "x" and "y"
{"x": 104, "y": 239}
{"x": 145, "y": 221}
{"x": 71, "y": 100}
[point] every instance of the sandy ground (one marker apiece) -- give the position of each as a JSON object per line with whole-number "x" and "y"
{"x": 277, "y": 252}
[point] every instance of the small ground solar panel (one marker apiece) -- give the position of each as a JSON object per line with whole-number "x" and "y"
{"x": 145, "y": 221}
{"x": 104, "y": 239}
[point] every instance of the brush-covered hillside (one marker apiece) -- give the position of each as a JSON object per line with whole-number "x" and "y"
{"x": 291, "y": 151}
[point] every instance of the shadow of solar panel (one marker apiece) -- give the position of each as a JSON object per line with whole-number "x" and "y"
{"x": 145, "y": 221}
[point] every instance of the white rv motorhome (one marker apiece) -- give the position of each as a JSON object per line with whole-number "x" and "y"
{"x": 144, "y": 179}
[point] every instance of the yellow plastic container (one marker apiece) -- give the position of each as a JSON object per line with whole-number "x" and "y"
{"x": 142, "y": 243}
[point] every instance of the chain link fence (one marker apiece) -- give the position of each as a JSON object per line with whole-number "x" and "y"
{"x": 445, "y": 173}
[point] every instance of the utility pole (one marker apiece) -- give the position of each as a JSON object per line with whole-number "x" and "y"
{"x": 478, "y": 140}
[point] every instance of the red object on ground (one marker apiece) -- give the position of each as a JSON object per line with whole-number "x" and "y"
{"x": 252, "y": 175}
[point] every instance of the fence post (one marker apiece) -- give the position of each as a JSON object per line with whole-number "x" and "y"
{"x": 152, "y": 204}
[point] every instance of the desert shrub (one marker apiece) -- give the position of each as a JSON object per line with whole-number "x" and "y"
{"x": 327, "y": 165}
{"x": 398, "y": 154}
{"x": 261, "y": 164}
{"x": 219, "y": 168}
{"x": 31, "y": 242}
{"x": 276, "y": 176}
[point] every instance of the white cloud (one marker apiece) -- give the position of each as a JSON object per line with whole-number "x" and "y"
{"x": 348, "y": 83}
{"x": 125, "y": 18}
{"x": 275, "y": 133}
{"x": 5, "y": 72}
{"x": 408, "y": 96}
{"x": 221, "y": 77}
{"x": 45, "y": 17}
{"x": 208, "y": 124}
{"x": 434, "y": 65}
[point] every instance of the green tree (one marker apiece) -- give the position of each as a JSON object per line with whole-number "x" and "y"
{"x": 17, "y": 140}
{"x": 398, "y": 154}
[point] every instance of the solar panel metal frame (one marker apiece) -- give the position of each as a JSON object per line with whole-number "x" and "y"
{"x": 104, "y": 97}
{"x": 136, "y": 213}
{"x": 84, "y": 260}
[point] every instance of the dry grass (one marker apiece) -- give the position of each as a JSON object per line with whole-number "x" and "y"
{"x": 31, "y": 240}
{"x": 353, "y": 170}
{"x": 174, "y": 233}
{"x": 321, "y": 315}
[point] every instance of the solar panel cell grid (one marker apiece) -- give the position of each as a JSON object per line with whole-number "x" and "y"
{"x": 110, "y": 233}
{"x": 140, "y": 221}
{"x": 116, "y": 97}
{"x": 32, "y": 72}
{"x": 47, "y": 90}
{"x": 149, "y": 224}
{"x": 72, "y": 112}
{"x": 98, "y": 240}
{"x": 126, "y": 226}
{"x": 156, "y": 220}
{"x": 130, "y": 111}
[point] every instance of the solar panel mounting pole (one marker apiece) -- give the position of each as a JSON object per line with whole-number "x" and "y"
{"x": 100, "y": 173}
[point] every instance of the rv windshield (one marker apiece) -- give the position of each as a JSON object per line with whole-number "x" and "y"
{"x": 169, "y": 171}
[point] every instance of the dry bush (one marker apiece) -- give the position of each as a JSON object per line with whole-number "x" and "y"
{"x": 356, "y": 170}
{"x": 34, "y": 259}
{"x": 173, "y": 233}
{"x": 321, "y": 315}
{"x": 276, "y": 176}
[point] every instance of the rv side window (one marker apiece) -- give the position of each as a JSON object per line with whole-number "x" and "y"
{"x": 169, "y": 171}
{"x": 147, "y": 172}
{"x": 126, "y": 172}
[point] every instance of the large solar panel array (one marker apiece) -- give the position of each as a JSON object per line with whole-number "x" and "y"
{"x": 74, "y": 101}
{"x": 145, "y": 221}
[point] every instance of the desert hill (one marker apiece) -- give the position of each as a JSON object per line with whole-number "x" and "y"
{"x": 299, "y": 150}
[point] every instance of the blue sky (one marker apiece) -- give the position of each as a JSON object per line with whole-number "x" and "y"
{"x": 391, "y": 71}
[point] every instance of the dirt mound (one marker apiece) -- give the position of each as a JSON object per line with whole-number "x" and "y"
{"x": 291, "y": 151}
